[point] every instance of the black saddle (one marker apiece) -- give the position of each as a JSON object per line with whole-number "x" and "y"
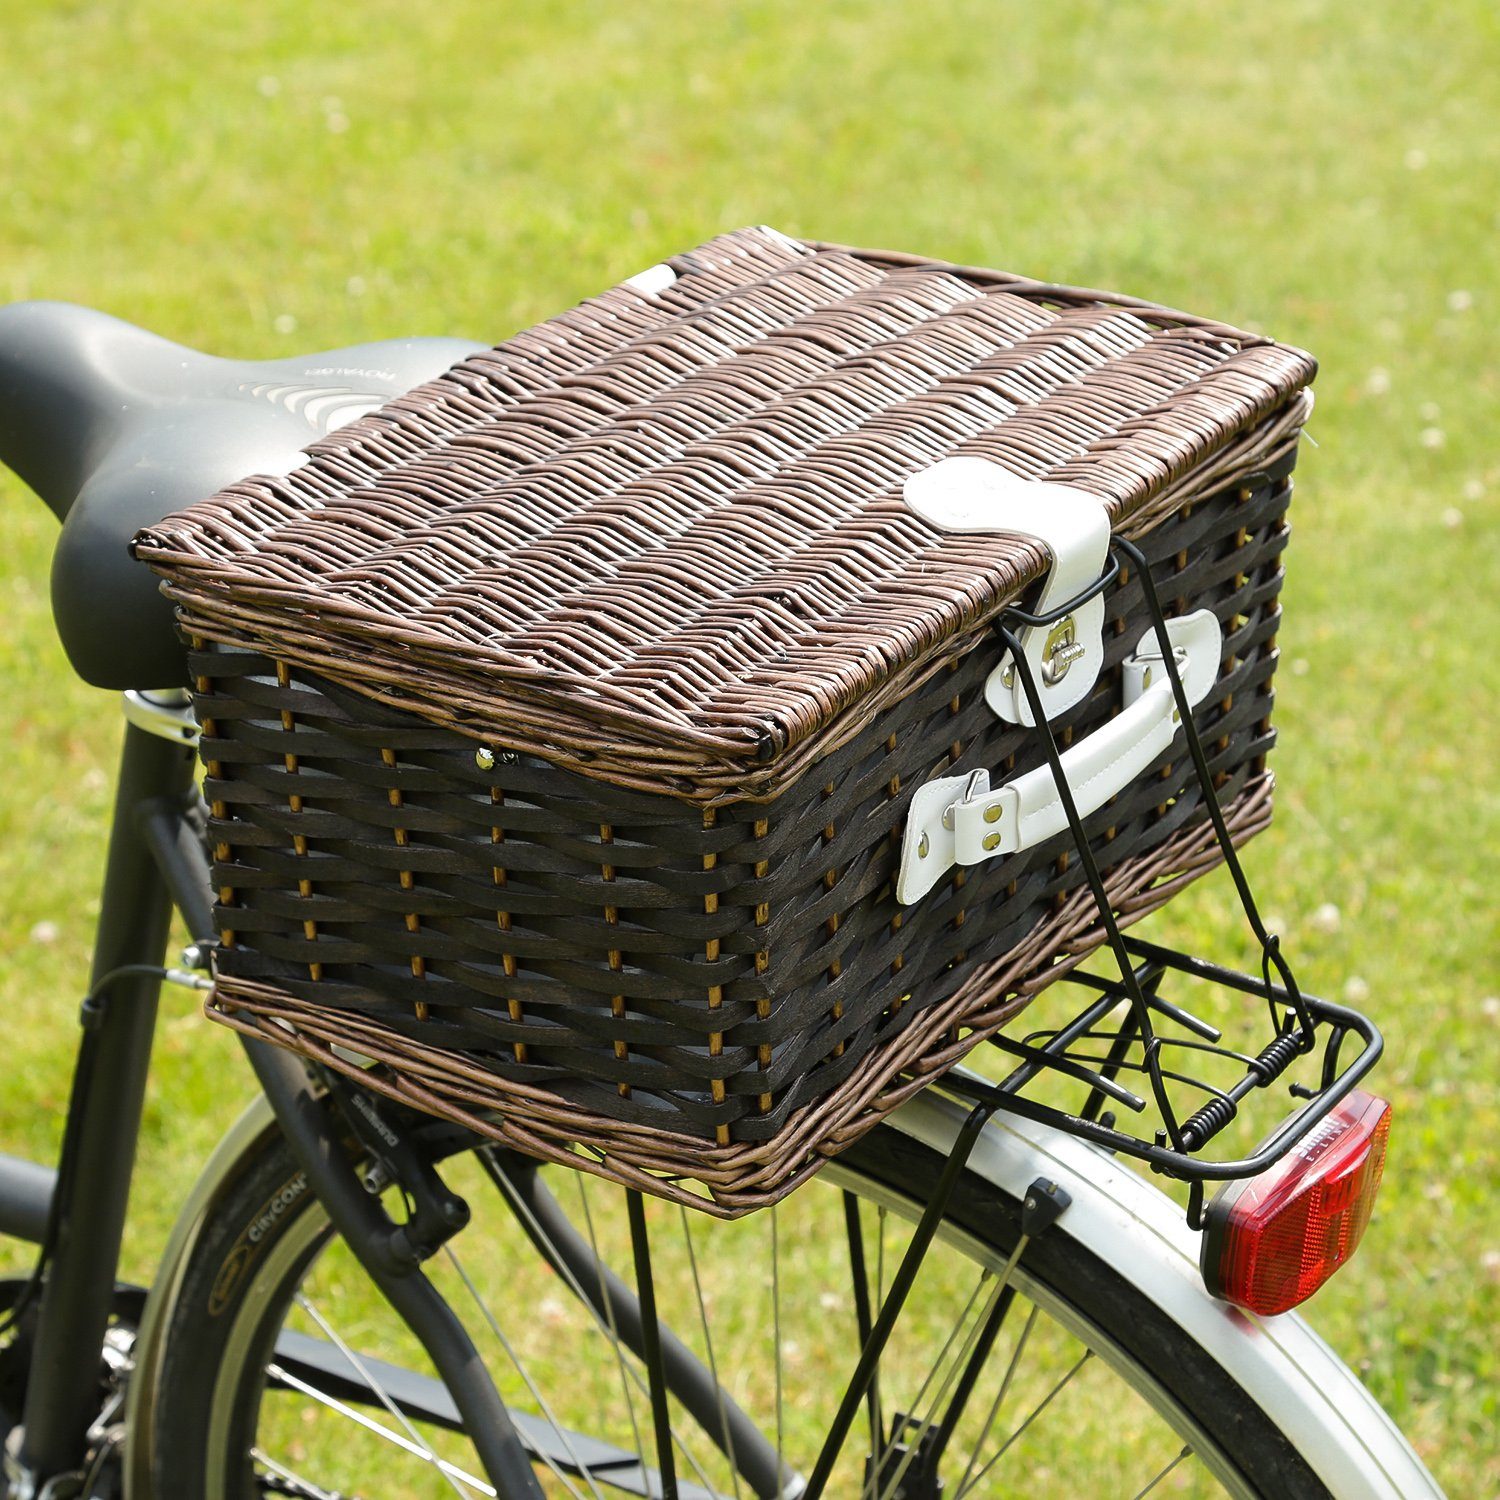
{"x": 115, "y": 428}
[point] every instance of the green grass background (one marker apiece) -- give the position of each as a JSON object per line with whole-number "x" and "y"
{"x": 262, "y": 179}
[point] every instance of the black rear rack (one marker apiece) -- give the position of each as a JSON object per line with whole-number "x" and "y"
{"x": 1130, "y": 1030}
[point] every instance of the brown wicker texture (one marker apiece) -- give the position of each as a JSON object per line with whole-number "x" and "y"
{"x": 652, "y": 555}
{"x": 662, "y": 539}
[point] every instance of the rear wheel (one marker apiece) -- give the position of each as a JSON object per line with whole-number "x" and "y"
{"x": 284, "y": 1372}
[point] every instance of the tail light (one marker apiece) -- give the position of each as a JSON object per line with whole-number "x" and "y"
{"x": 1271, "y": 1241}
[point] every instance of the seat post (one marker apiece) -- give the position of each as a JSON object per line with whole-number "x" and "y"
{"x": 104, "y": 1115}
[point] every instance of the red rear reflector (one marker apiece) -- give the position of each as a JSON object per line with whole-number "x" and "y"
{"x": 1271, "y": 1241}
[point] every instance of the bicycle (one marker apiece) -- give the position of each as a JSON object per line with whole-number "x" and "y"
{"x": 978, "y": 1271}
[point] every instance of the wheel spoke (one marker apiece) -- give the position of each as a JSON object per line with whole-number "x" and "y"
{"x": 612, "y": 1331}
{"x": 875, "y": 1485}
{"x": 418, "y": 1443}
{"x": 976, "y": 1351}
{"x": 606, "y": 1321}
{"x": 776, "y": 1335}
{"x": 1140, "y": 1494}
{"x": 464, "y": 1483}
{"x": 976, "y": 1356}
{"x": 955, "y": 1369}
{"x": 563, "y": 1435}
{"x": 292, "y": 1483}
{"x": 708, "y": 1344}
{"x": 999, "y": 1401}
{"x": 629, "y": 1374}
{"x": 1031, "y": 1417}
{"x": 318, "y": 1364}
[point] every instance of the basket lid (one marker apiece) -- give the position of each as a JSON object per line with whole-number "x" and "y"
{"x": 660, "y": 538}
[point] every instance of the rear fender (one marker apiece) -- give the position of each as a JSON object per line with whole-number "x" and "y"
{"x": 1312, "y": 1396}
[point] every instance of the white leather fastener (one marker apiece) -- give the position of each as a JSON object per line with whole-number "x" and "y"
{"x": 973, "y": 494}
{"x": 961, "y": 820}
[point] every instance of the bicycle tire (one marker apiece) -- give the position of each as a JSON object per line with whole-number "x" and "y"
{"x": 264, "y": 1233}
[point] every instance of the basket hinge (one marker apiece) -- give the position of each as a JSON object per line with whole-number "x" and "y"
{"x": 963, "y": 820}
{"x": 1067, "y": 654}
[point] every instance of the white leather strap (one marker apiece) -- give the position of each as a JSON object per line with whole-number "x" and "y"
{"x": 960, "y": 820}
{"x": 973, "y": 494}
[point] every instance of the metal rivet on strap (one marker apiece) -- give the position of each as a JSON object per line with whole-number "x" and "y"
{"x": 924, "y": 847}
{"x": 990, "y": 841}
{"x": 993, "y": 812}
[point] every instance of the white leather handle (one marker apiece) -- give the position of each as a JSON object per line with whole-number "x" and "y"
{"x": 960, "y": 820}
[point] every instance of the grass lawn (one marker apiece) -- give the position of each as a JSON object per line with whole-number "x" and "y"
{"x": 262, "y": 179}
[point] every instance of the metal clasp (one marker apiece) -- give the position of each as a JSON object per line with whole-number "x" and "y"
{"x": 1061, "y": 650}
{"x": 167, "y": 712}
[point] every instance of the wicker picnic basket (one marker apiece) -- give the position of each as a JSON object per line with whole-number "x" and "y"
{"x": 562, "y": 718}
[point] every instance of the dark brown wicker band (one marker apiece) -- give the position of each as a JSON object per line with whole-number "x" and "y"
{"x": 730, "y": 1181}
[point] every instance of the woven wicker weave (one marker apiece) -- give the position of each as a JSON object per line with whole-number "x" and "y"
{"x": 651, "y": 557}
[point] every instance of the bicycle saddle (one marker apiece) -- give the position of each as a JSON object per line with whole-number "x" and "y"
{"x": 114, "y": 428}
